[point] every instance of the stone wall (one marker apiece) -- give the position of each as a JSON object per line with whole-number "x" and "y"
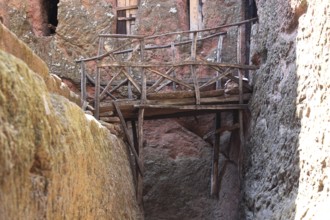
{"x": 56, "y": 162}
{"x": 287, "y": 160}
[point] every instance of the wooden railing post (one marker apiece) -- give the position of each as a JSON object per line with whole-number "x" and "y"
{"x": 83, "y": 85}
{"x": 98, "y": 82}
{"x": 193, "y": 67}
{"x": 140, "y": 127}
{"x": 143, "y": 76}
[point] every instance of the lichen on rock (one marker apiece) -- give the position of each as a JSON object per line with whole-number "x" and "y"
{"x": 54, "y": 162}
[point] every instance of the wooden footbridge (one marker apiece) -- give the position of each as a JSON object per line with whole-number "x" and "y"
{"x": 166, "y": 75}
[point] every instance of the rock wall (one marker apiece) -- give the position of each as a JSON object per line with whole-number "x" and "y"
{"x": 177, "y": 173}
{"x": 11, "y": 44}
{"x": 56, "y": 162}
{"x": 287, "y": 160}
{"x": 79, "y": 23}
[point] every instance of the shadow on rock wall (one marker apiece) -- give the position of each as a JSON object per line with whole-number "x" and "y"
{"x": 178, "y": 168}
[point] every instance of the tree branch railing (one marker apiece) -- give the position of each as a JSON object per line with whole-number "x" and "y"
{"x": 134, "y": 65}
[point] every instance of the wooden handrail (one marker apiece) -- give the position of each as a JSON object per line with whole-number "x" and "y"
{"x": 176, "y": 64}
{"x": 160, "y": 35}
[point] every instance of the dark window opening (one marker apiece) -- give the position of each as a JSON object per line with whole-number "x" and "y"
{"x": 50, "y": 10}
{"x": 252, "y": 9}
{"x": 250, "y": 12}
{"x": 121, "y": 24}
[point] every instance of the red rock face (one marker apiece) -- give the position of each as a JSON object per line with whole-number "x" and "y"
{"x": 37, "y": 17}
{"x": 3, "y": 12}
{"x": 177, "y": 172}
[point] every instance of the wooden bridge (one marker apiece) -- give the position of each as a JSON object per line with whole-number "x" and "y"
{"x": 166, "y": 75}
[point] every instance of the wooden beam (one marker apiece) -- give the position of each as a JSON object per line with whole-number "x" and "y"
{"x": 154, "y": 47}
{"x": 130, "y": 78}
{"x": 193, "y": 68}
{"x": 123, "y": 82}
{"x": 195, "y": 107}
{"x": 127, "y": 7}
{"x": 160, "y": 80}
{"x": 93, "y": 82}
{"x": 125, "y": 18}
{"x": 97, "y": 95}
{"x": 128, "y": 137}
{"x": 215, "y": 79}
{"x": 136, "y": 147}
{"x": 170, "y": 78}
{"x": 128, "y": 105}
{"x": 221, "y": 130}
{"x": 122, "y": 36}
{"x": 245, "y": 84}
{"x": 143, "y": 75}
{"x": 100, "y": 56}
{"x": 176, "y": 64}
{"x": 141, "y": 157}
{"x": 215, "y": 159}
{"x": 166, "y": 83}
{"x": 129, "y": 85}
{"x": 83, "y": 85}
{"x": 184, "y": 94}
{"x": 109, "y": 83}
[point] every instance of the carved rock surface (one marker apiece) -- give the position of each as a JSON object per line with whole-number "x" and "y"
{"x": 56, "y": 162}
{"x": 287, "y": 161}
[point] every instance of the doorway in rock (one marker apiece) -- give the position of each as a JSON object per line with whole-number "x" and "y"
{"x": 50, "y": 10}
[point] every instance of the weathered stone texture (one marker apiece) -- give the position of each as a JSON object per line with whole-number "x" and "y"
{"x": 79, "y": 23}
{"x": 56, "y": 162}
{"x": 287, "y": 161}
{"x": 177, "y": 177}
{"x": 11, "y": 44}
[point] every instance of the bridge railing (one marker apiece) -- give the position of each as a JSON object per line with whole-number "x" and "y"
{"x": 142, "y": 65}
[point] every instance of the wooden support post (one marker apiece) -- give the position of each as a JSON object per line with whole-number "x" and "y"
{"x": 98, "y": 82}
{"x": 83, "y": 85}
{"x": 97, "y": 94}
{"x": 140, "y": 129}
{"x": 143, "y": 75}
{"x": 141, "y": 157}
{"x": 128, "y": 137}
{"x": 215, "y": 161}
{"x": 136, "y": 147}
{"x": 193, "y": 67}
{"x": 129, "y": 85}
